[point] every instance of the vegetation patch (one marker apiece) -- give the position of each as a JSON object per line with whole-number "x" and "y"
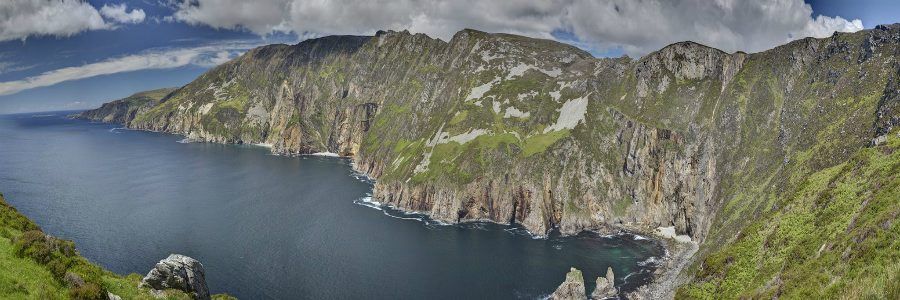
{"x": 459, "y": 117}
{"x": 539, "y": 143}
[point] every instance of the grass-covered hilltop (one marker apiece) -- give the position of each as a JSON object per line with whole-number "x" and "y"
{"x": 776, "y": 170}
{"x": 34, "y": 265}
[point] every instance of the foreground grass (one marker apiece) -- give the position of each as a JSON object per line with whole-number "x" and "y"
{"x": 22, "y": 278}
{"x": 34, "y": 265}
{"x": 836, "y": 237}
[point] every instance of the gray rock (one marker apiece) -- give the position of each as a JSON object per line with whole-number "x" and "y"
{"x": 572, "y": 288}
{"x": 610, "y": 276}
{"x": 111, "y": 296}
{"x": 178, "y": 272}
{"x": 605, "y": 286}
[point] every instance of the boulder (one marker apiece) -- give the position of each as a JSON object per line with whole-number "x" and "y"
{"x": 605, "y": 286}
{"x": 178, "y": 272}
{"x": 572, "y": 288}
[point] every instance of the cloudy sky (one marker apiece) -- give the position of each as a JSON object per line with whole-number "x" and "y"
{"x": 73, "y": 54}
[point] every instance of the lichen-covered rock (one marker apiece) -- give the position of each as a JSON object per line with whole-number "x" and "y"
{"x": 178, "y": 272}
{"x": 572, "y": 288}
{"x": 605, "y": 286}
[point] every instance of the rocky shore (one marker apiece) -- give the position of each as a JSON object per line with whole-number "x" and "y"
{"x": 668, "y": 275}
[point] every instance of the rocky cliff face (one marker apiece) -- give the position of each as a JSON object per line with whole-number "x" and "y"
{"x": 503, "y": 128}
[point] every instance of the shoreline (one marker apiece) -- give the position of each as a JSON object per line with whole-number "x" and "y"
{"x": 662, "y": 279}
{"x": 658, "y": 267}
{"x": 667, "y": 277}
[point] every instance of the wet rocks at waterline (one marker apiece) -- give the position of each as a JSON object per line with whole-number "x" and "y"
{"x": 573, "y": 287}
{"x": 605, "y": 286}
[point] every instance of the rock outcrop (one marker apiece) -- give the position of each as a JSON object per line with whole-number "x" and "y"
{"x": 572, "y": 288}
{"x": 178, "y": 272}
{"x": 605, "y": 286}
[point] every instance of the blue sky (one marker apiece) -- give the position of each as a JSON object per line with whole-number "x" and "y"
{"x": 97, "y": 51}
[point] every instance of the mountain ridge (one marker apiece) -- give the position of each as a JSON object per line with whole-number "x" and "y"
{"x": 509, "y": 129}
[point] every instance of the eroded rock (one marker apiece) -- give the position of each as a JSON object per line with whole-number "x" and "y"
{"x": 605, "y": 286}
{"x": 572, "y": 288}
{"x": 178, "y": 272}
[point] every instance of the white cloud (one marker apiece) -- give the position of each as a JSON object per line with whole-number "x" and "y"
{"x": 208, "y": 55}
{"x": 23, "y": 18}
{"x": 635, "y": 26}
{"x": 730, "y": 25}
{"x": 219, "y": 58}
{"x": 20, "y": 19}
{"x": 7, "y": 66}
{"x": 258, "y": 16}
{"x": 118, "y": 13}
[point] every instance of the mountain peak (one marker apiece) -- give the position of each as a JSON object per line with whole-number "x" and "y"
{"x": 687, "y": 46}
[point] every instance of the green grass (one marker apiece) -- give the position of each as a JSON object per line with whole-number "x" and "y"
{"x": 540, "y": 142}
{"x": 459, "y": 117}
{"x": 23, "y": 278}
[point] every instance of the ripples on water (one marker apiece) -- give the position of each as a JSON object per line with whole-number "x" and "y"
{"x": 267, "y": 226}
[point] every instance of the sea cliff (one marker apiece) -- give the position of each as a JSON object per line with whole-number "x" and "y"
{"x": 689, "y": 141}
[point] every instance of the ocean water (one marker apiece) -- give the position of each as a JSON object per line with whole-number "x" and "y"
{"x": 271, "y": 227}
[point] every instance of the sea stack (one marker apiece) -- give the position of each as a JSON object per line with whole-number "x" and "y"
{"x": 605, "y": 286}
{"x": 572, "y": 288}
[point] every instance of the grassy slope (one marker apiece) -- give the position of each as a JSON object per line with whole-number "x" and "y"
{"x": 835, "y": 236}
{"x": 23, "y": 278}
{"x": 143, "y": 98}
{"x": 34, "y": 266}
